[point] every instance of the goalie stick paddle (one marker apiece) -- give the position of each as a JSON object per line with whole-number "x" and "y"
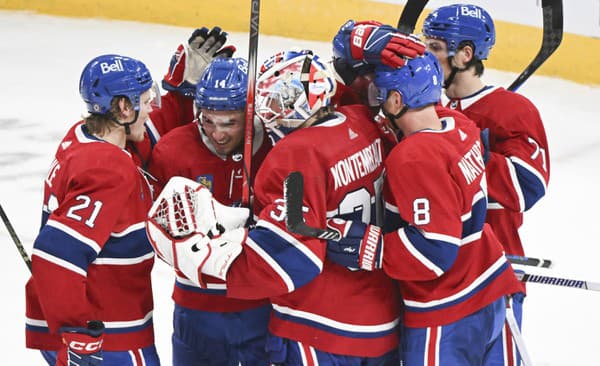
{"x": 15, "y": 238}
{"x": 249, "y": 123}
{"x": 552, "y": 11}
{"x": 293, "y": 192}
{"x": 410, "y": 14}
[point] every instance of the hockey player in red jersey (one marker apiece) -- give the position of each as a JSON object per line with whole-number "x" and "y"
{"x": 452, "y": 272}
{"x": 89, "y": 300}
{"x": 322, "y": 313}
{"x": 176, "y": 108}
{"x": 210, "y": 328}
{"x": 518, "y": 169}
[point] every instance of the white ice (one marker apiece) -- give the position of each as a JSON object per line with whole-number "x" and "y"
{"x": 41, "y": 58}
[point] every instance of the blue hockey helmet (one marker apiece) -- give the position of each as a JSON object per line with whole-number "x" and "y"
{"x": 345, "y": 66}
{"x": 462, "y": 23}
{"x": 291, "y": 87}
{"x": 223, "y": 85}
{"x": 109, "y": 76}
{"x": 419, "y": 81}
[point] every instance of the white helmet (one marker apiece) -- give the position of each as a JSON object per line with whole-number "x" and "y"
{"x": 291, "y": 87}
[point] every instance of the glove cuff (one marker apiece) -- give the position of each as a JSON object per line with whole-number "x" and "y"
{"x": 372, "y": 249}
{"x": 186, "y": 89}
{"x": 84, "y": 341}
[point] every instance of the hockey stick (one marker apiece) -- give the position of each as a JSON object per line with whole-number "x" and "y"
{"x": 410, "y": 15}
{"x": 529, "y": 261}
{"x": 553, "y": 32}
{"x": 294, "y": 193}
{"x": 557, "y": 281}
{"x": 517, "y": 337}
{"x": 249, "y": 125}
{"x": 15, "y": 238}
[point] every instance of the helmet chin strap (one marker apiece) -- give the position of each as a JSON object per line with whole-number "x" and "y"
{"x": 393, "y": 117}
{"x": 455, "y": 70}
{"x": 126, "y": 124}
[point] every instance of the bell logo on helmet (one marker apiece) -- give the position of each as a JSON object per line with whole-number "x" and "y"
{"x": 471, "y": 12}
{"x": 116, "y": 66}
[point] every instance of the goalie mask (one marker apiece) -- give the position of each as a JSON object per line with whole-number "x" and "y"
{"x": 292, "y": 86}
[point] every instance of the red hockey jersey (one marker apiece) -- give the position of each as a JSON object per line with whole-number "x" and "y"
{"x": 175, "y": 110}
{"x": 315, "y": 301}
{"x": 448, "y": 262}
{"x": 186, "y": 152}
{"x": 518, "y": 170}
{"x": 91, "y": 259}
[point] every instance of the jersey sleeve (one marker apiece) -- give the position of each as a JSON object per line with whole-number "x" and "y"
{"x": 275, "y": 261}
{"x": 519, "y": 165}
{"x": 75, "y": 233}
{"x": 176, "y": 110}
{"x": 426, "y": 245}
{"x": 160, "y": 166}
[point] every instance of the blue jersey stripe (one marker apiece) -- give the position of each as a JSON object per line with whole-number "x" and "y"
{"x": 61, "y": 245}
{"x": 439, "y": 252}
{"x": 474, "y": 291}
{"x": 533, "y": 189}
{"x": 297, "y": 265}
{"x": 134, "y": 244}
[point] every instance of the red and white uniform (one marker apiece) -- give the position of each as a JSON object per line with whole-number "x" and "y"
{"x": 175, "y": 110}
{"x": 187, "y": 152}
{"x": 448, "y": 262}
{"x": 91, "y": 259}
{"x": 315, "y": 301}
{"x": 518, "y": 170}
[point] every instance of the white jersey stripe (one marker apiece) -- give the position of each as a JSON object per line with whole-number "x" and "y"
{"x": 59, "y": 262}
{"x": 272, "y": 263}
{"x": 129, "y": 323}
{"x": 483, "y": 277}
{"x": 124, "y": 261}
{"x": 334, "y": 323}
{"x": 129, "y": 230}
{"x": 415, "y": 253}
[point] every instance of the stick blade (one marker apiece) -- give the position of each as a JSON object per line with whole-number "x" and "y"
{"x": 293, "y": 193}
{"x": 553, "y": 33}
{"x": 410, "y": 15}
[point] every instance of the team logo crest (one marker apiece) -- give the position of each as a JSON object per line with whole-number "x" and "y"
{"x": 206, "y": 180}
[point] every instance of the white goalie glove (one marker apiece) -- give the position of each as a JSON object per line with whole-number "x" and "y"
{"x": 181, "y": 223}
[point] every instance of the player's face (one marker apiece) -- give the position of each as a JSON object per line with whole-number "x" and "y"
{"x": 138, "y": 128}
{"x": 439, "y": 49}
{"x": 224, "y": 129}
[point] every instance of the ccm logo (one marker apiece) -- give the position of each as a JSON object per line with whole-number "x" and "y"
{"x": 86, "y": 346}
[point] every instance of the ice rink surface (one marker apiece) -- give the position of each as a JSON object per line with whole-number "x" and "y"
{"x": 41, "y": 61}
